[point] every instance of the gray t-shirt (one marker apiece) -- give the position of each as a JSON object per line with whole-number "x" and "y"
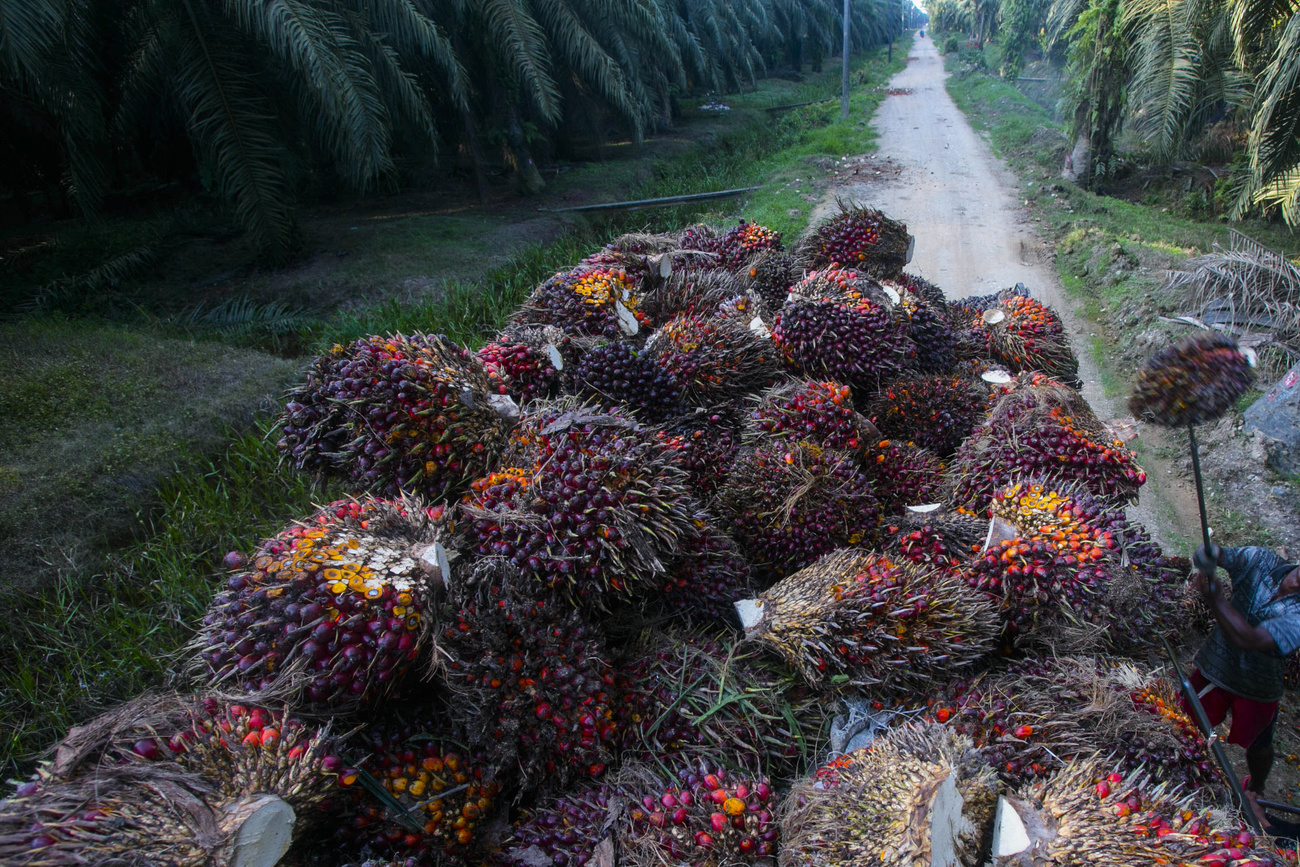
{"x": 1256, "y": 574}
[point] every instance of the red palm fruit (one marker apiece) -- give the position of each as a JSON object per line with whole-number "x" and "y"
{"x": 1027, "y": 335}
{"x": 703, "y": 444}
{"x": 816, "y": 412}
{"x": 787, "y": 503}
{"x": 637, "y": 253}
{"x": 946, "y": 541}
{"x": 936, "y": 412}
{"x": 707, "y": 577}
{"x": 739, "y": 245}
{"x": 713, "y": 359}
{"x": 530, "y": 681}
{"x": 591, "y": 301}
{"x": 690, "y": 292}
{"x": 863, "y": 620}
{"x": 1197, "y": 379}
{"x": 444, "y": 790}
{"x": 615, "y": 374}
{"x": 905, "y": 475}
{"x": 416, "y": 414}
{"x": 331, "y": 611}
{"x": 520, "y": 370}
{"x": 926, "y": 290}
{"x": 921, "y": 304}
{"x": 861, "y": 238}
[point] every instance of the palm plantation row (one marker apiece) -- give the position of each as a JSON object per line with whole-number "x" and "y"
{"x": 257, "y": 98}
{"x": 1181, "y": 74}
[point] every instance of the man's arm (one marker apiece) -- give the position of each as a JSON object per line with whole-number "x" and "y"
{"x": 1236, "y": 628}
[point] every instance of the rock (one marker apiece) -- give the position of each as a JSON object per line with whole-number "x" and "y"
{"x": 1276, "y": 415}
{"x": 1280, "y": 490}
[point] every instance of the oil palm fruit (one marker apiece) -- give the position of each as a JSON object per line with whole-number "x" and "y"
{"x": 918, "y": 795}
{"x": 531, "y": 681}
{"x": 935, "y": 412}
{"x": 686, "y": 694}
{"x": 702, "y": 816}
{"x": 928, "y": 291}
{"x": 927, "y": 325}
{"x": 640, "y": 254}
{"x": 521, "y": 370}
{"x": 416, "y": 414}
{"x": 1195, "y": 380}
{"x": 861, "y": 619}
{"x": 1047, "y": 429}
{"x": 904, "y": 474}
{"x": 815, "y": 412}
{"x": 690, "y": 292}
{"x": 945, "y": 542}
{"x": 703, "y": 444}
{"x": 787, "y": 503}
{"x": 713, "y": 359}
{"x": 739, "y": 245}
{"x": 566, "y": 830}
{"x": 1026, "y": 334}
{"x": 597, "y": 508}
{"x": 771, "y": 274}
{"x": 862, "y": 238}
{"x": 615, "y": 374}
{"x": 707, "y": 577}
{"x": 444, "y": 791}
{"x": 331, "y": 611}
{"x": 591, "y": 301}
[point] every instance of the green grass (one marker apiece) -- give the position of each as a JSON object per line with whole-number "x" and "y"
{"x": 99, "y": 634}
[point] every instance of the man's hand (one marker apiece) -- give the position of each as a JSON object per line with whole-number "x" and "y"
{"x": 1206, "y": 560}
{"x": 1205, "y": 585}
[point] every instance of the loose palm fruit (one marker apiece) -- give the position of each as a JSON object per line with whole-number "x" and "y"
{"x": 864, "y": 620}
{"x": 915, "y": 791}
{"x": 598, "y": 302}
{"x": 1198, "y": 379}
{"x": 615, "y": 374}
{"x": 787, "y": 503}
{"x": 397, "y": 413}
{"x": 861, "y": 238}
{"x": 935, "y": 412}
{"x": 713, "y": 359}
{"x": 331, "y": 611}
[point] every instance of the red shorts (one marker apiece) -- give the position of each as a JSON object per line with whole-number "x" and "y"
{"x": 1252, "y": 721}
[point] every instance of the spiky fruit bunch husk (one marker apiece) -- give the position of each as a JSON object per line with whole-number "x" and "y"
{"x": 1197, "y": 379}
{"x": 816, "y": 412}
{"x": 703, "y": 444}
{"x": 565, "y": 830}
{"x": 714, "y": 359}
{"x": 859, "y": 238}
{"x": 860, "y": 344}
{"x": 788, "y": 503}
{"x": 443, "y": 788}
{"x": 702, "y": 816}
{"x": 688, "y": 695}
{"x": 597, "y": 512}
{"x": 706, "y": 579}
{"x": 944, "y": 542}
{"x": 892, "y": 804}
{"x": 585, "y": 301}
{"x": 1029, "y": 718}
{"x": 332, "y": 611}
{"x": 935, "y": 412}
{"x": 843, "y": 286}
{"x": 1090, "y": 813}
{"x": 930, "y": 333}
{"x": 770, "y": 276}
{"x": 864, "y": 620}
{"x": 395, "y": 414}
{"x": 1032, "y": 430}
{"x": 615, "y": 374}
{"x": 1030, "y": 336}
{"x": 690, "y": 292}
{"x": 905, "y": 475}
{"x": 522, "y": 371}
{"x": 530, "y": 680}
{"x": 749, "y": 309}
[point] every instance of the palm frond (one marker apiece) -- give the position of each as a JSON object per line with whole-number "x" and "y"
{"x": 523, "y": 43}
{"x": 412, "y": 33}
{"x": 242, "y": 318}
{"x": 576, "y": 47}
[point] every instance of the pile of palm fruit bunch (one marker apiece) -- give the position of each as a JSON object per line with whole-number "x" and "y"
{"x": 606, "y": 587}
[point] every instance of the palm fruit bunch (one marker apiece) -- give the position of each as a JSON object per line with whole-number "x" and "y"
{"x": 927, "y": 291}
{"x": 945, "y": 542}
{"x": 713, "y": 359}
{"x": 523, "y": 371}
{"x": 859, "y": 342}
{"x": 690, "y": 292}
{"x": 937, "y": 413}
{"x": 703, "y": 816}
{"x": 858, "y": 238}
{"x": 816, "y": 412}
{"x": 749, "y": 309}
{"x": 1173, "y": 751}
{"x": 703, "y": 444}
{"x": 861, "y": 619}
{"x": 1026, "y": 334}
{"x": 740, "y": 244}
{"x": 707, "y": 577}
{"x": 615, "y": 374}
{"x": 437, "y": 796}
{"x": 565, "y": 830}
{"x": 396, "y": 414}
{"x": 597, "y": 509}
{"x": 643, "y": 255}
{"x": 771, "y": 274}
{"x": 927, "y": 326}
{"x": 331, "y": 611}
{"x": 597, "y": 302}
{"x": 787, "y": 503}
{"x": 1195, "y": 380}
{"x": 1089, "y": 813}
{"x": 530, "y": 681}
{"x": 918, "y": 795}
{"x": 685, "y": 694}
{"x": 905, "y": 475}
{"x": 1042, "y": 429}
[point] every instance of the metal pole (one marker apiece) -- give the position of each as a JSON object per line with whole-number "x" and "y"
{"x": 844, "y": 95}
{"x": 1200, "y": 486}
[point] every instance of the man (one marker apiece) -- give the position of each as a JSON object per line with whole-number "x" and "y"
{"x": 1239, "y": 668}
